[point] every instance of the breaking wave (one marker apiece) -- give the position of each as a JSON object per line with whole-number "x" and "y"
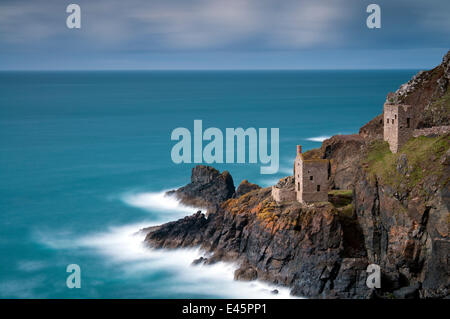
{"x": 167, "y": 207}
{"x": 318, "y": 138}
{"x": 158, "y": 272}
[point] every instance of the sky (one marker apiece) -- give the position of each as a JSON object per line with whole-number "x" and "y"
{"x": 222, "y": 34}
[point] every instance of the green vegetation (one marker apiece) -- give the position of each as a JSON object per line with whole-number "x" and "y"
{"x": 340, "y": 197}
{"x": 422, "y": 160}
{"x": 347, "y": 211}
{"x": 341, "y": 192}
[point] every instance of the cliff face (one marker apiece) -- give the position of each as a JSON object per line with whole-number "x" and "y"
{"x": 395, "y": 214}
{"x": 402, "y": 205}
{"x": 291, "y": 244}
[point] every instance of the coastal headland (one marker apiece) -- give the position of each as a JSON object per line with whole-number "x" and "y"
{"x": 385, "y": 208}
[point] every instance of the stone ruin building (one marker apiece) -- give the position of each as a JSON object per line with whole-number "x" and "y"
{"x": 309, "y": 184}
{"x": 398, "y": 125}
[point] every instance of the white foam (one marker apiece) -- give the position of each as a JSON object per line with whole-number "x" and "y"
{"x": 125, "y": 248}
{"x": 318, "y": 138}
{"x": 160, "y": 202}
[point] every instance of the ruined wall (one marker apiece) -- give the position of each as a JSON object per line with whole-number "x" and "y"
{"x": 398, "y": 122}
{"x": 432, "y": 131}
{"x": 283, "y": 194}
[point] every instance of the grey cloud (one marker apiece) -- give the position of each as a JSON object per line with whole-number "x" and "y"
{"x": 194, "y": 24}
{"x": 177, "y": 25}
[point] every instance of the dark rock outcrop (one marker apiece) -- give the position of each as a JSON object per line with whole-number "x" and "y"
{"x": 208, "y": 187}
{"x": 246, "y": 273}
{"x": 245, "y": 187}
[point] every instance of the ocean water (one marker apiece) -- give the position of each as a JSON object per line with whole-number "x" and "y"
{"x": 85, "y": 160}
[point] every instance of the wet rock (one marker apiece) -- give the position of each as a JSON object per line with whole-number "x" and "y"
{"x": 199, "y": 261}
{"x": 245, "y": 273}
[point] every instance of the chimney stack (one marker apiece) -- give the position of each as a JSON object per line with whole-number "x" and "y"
{"x": 299, "y": 149}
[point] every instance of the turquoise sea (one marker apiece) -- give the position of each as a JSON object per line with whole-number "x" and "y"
{"x": 85, "y": 159}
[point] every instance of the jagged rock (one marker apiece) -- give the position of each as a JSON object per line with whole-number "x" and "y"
{"x": 200, "y": 260}
{"x": 208, "y": 188}
{"x": 350, "y": 280}
{"x": 186, "y": 232}
{"x": 245, "y": 273}
{"x": 245, "y": 187}
{"x": 286, "y": 182}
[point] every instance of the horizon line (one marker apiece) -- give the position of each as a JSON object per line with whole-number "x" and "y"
{"x": 212, "y": 69}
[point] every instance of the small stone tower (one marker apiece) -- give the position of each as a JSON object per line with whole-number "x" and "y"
{"x": 398, "y": 125}
{"x": 311, "y": 178}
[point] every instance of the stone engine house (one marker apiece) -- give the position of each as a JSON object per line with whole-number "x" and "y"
{"x": 309, "y": 183}
{"x": 311, "y": 178}
{"x": 398, "y": 125}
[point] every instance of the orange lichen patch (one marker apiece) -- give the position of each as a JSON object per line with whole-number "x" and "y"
{"x": 275, "y": 217}
{"x": 256, "y": 209}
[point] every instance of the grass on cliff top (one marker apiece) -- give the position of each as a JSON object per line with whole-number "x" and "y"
{"x": 340, "y": 197}
{"x": 423, "y": 159}
{"x": 341, "y": 192}
{"x": 346, "y": 211}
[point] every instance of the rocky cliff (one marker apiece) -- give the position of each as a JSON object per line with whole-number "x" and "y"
{"x": 383, "y": 208}
{"x": 208, "y": 187}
